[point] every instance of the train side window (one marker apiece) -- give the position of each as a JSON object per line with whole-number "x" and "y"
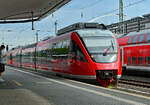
{"x": 141, "y": 38}
{"x": 134, "y": 39}
{"x": 147, "y": 60}
{"x": 44, "y": 53}
{"x": 140, "y": 60}
{"x": 129, "y": 41}
{"x": 147, "y": 38}
{"x": 129, "y": 60}
{"x": 57, "y": 48}
{"x": 53, "y": 53}
{"x": 59, "y": 44}
{"x": 60, "y": 49}
{"x": 134, "y": 60}
{"x": 65, "y": 47}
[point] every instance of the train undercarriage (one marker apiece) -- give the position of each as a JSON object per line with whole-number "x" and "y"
{"x": 107, "y": 78}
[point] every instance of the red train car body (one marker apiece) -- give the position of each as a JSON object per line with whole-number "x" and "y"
{"x": 135, "y": 48}
{"x": 83, "y": 50}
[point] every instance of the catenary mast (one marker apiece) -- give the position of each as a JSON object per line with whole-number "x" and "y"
{"x": 121, "y": 16}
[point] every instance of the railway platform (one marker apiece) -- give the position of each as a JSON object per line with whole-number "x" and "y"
{"x": 11, "y": 93}
{"x": 21, "y": 87}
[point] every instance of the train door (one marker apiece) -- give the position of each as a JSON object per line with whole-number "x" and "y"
{"x": 59, "y": 56}
{"x": 20, "y": 58}
{"x": 11, "y": 58}
{"x": 122, "y": 58}
{"x": 77, "y": 59}
{"x": 65, "y": 54}
{"x": 35, "y": 53}
{"x": 54, "y": 57}
{"x": 121, "y": 53}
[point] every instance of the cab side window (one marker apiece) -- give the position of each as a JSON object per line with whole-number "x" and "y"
{"x": 77, "y": 52}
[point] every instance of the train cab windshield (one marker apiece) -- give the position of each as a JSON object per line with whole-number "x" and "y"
{"x": 101, "y": 45}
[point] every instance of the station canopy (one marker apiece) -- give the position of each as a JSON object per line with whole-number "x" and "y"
{"x": 27, "y": 10}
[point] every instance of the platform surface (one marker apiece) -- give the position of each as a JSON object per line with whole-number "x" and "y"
{"x": 21, "y": 87}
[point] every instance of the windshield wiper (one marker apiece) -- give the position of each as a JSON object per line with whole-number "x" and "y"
{"x": 107, "y": 50}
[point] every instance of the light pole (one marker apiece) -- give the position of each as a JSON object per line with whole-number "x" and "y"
{"x": 37, "y": 35}
{"x": 36, "y": 50}
{"x": 55, "y": 26}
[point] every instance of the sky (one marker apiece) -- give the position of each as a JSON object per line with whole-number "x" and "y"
{"x": 73, "y": 12}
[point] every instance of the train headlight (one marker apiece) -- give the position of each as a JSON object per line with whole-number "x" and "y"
{"x": 113, "y": 57}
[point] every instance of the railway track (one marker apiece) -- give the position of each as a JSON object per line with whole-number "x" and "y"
{"x": 134, "y": 86}
{"x": 135, "y": 83}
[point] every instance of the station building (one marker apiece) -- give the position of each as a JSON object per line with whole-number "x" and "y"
{"x": 132, "y": 25}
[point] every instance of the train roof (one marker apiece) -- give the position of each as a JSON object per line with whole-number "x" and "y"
{"x": 29, "y": 46}
{"x": 70, "y": 28}
{"x": 134, "y": 33}
{"x": 80, "y": 25}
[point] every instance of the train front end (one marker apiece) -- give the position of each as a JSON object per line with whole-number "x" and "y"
{"x": 94, "y": 53}
{"x": 103, "y": 54}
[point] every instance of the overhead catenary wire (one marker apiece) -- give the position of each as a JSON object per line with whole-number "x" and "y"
{"x": 90, "y": 5}
{"x": 110, "y": 12}
{"x": 80, "y": 9}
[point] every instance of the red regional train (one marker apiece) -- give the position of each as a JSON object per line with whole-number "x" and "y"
{"x": 82, "y": 50}
{"x": 135, "y": 48}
